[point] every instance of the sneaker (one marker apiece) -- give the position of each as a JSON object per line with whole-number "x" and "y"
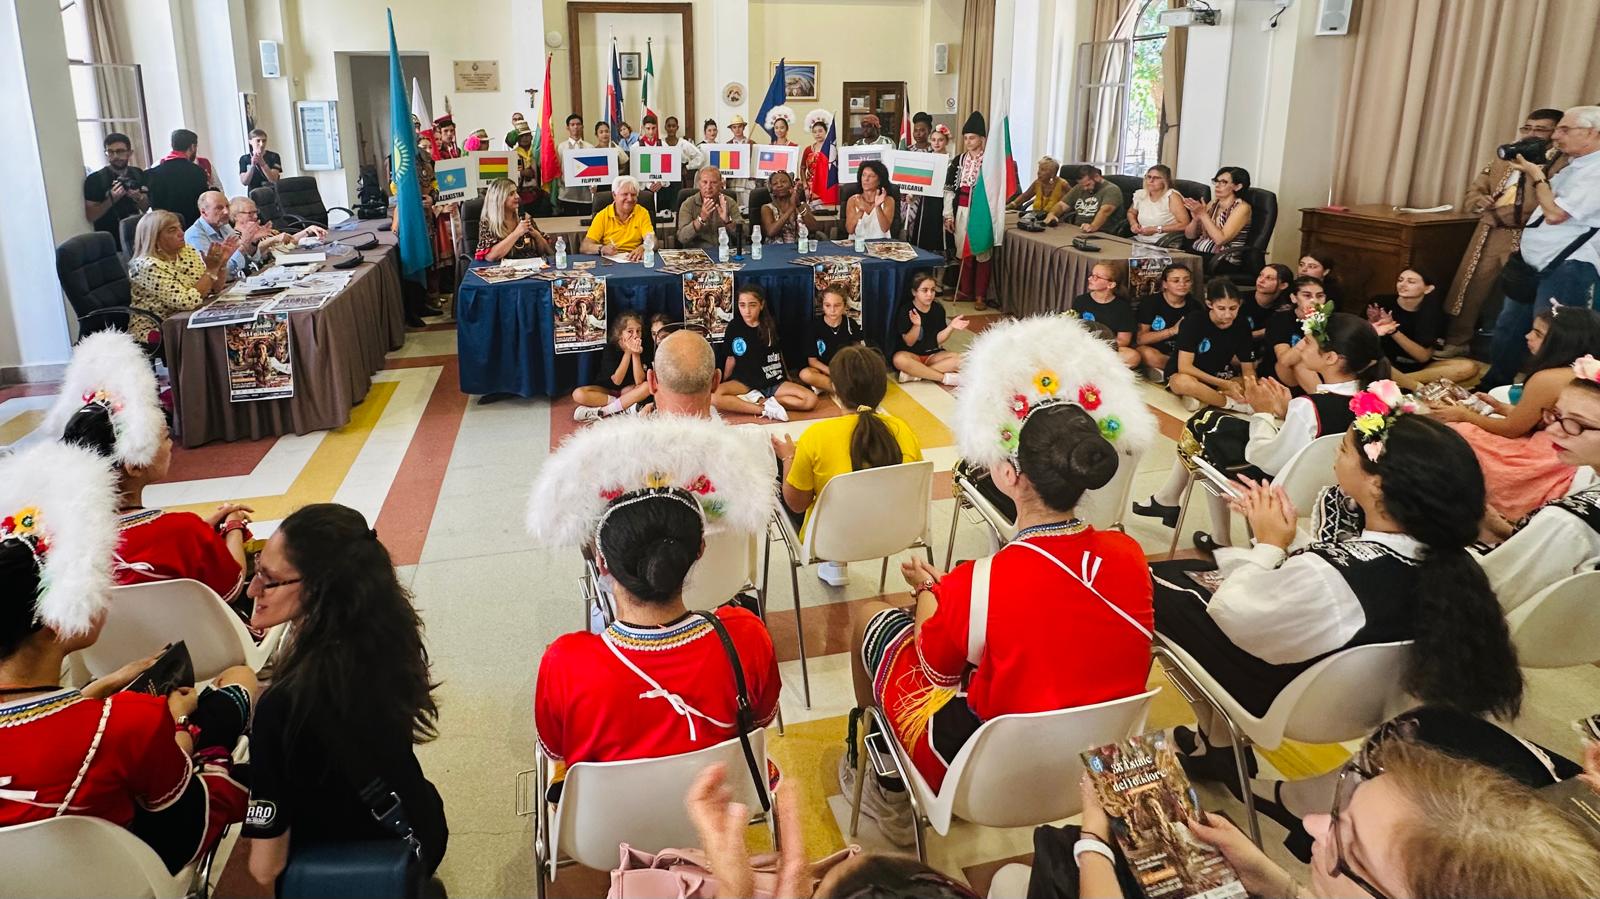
{"x": 890, "y": 809}
{"x": 752, "y": 396}
{"x": 1451, "y": 351}
{"x": 774, "y": 410}
{"x": 1234, "y": 405}
{"x": 588, "y": 413}
{"x": 834, "y": 574}
{"x": 906, "y": 378}
{"x": 1154, "y": 375}
{"x": 1190, "y": 403}
{"x": 951, "y": 379}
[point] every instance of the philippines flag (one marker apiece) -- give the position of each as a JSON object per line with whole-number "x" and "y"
{"x": 727, "y": 160}
{"x": 772, "y": 161}
{"x": 592, "y": 166}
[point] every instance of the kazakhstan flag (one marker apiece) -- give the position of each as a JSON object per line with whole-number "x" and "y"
{"x": 411, "y": 227}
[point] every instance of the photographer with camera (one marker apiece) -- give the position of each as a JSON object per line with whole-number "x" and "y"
{"x": 116, "y": 191}
{"x": 1559, "y": 261}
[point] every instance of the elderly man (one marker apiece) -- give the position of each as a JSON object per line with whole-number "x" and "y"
{"x": 1560, "y": 243}
{"x": 684, "y": 375}
{"x": 212, "y": 227}
{"x": 1094, "y": 204}
{"x": 702, "y": 215}
{"x": 243, "y": 212}
{"x": 620, "y": 227}
{"x": 870, "y": 134}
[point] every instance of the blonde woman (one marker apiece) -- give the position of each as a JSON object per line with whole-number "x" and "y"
{"x": 1157, "y": 213}
{"x": 1045, "y": 192}
{"x": 502, "y": 234}
{"x": 168, "y": 275}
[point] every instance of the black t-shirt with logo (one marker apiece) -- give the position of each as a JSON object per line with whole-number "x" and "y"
{"x": 1116, "y": 315}
{"x": 97, "y": 186}
{"x": 1284, "y": 327}
{"x": 1154, "y": 312}
{"x": 1260, "y": 315}
{"x": 933, "y": 321}
{"x": 827, "y": 340}
{"x": 1214, "y": 348}
{"x": 756, "y": 363}
{"x": 1422, "y": 326}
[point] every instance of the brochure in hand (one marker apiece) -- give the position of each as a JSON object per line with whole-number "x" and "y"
{"x": 173, "y": 669}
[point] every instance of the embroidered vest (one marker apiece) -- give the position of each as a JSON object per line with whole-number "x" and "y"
{"x": 1333, "y": 413}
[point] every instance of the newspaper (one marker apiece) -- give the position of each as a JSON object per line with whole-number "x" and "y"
{"x": 229, "y": 310}
{"x": 893, "y": 250}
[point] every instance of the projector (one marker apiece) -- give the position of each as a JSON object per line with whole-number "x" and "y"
{"x": 1187, "y": 17}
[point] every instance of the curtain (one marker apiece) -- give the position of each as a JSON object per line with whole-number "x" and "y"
{"x": 1174, "y": 55}
{"x": 115, "y": 90}
{"x": 1106, "y": 111}
{"x": 975, "y": 73}
{"x": 1437, "y": 84}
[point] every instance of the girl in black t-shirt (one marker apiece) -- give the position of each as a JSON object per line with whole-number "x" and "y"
{"x": 1321, "y": 268}
{"x": 831, "y": 332}
{"x": 620, "y": 381}
{"x": 753, "y": 381}
{"x": 1160, "y": 315}
{"x": 1410, "y": 320}
{"x": 922, "y": 330}
{"x": 1104, "y": 303}
{"x": 1280, "y": 347}
{"x": 1212, "y": 351}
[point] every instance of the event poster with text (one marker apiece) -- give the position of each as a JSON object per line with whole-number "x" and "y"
{"x": 260, "y": 363}
{"x": 708, "y": 302}
{"x": 578, "y": 305}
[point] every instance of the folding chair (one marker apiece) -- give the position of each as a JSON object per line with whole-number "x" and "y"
{"x": 1560, "y": 626}
{"x": 1310, "y": 470}
{"x": 143, "y": 618}
{"x": 726, "y": 569}
{"x": 79, "y": 857}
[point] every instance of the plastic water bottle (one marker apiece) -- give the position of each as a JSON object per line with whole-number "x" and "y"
{"x": 803, "y": 233}
{"x": 722, "y": 244}
{"x": 861, "y": 235}
{"x": 561, "y": 252}
{"x": 649, "y": 250}
{"x": 755, "y": 241}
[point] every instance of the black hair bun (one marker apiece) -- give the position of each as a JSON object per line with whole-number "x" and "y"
{"x": 1093, "y": 461}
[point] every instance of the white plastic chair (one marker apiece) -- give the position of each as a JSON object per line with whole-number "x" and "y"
{"x": 1302, "y": 477}
{"x": 142, "y": 618}
{"x": 1015, "y": 771}
{"x": 1502, "y": 393}
{"x": 1342, "y": 697}
{"x": 726, "y": 569}
{"x": 639, "y": 802}
{"x": 868, "y": 514}
{"x": 78, "y": 857}
{"x": 1560, "y": 626}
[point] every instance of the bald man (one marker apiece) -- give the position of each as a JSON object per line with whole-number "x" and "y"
{"x": 212, "y": 227}
{"x": 684, "y": 375}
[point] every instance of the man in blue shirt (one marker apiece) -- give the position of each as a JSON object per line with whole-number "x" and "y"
{"x": 212, "y": 227}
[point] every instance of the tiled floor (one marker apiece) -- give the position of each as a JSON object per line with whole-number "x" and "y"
{"x": 446, "y": 479}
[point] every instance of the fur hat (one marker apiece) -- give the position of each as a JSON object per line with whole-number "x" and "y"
{"x": 61, "y": 501}
{"x": 730, "y": 472}
{"x": 818, "y": 116}
{"x": 1015, "y": 366}
{"x": 975, "y": 125}
{"x": 778, "y": 112}
{"x": 109, "y": 368}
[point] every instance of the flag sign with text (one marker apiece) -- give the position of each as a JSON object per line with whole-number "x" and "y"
{"x": 590, "y": 167}
{"x": 495, "y": 165}
{"x": 732, "y": 160}
{"x": 771, "y": 159}
{"x": 850, "y": 159}
{"x": 917, "y": 173}
{"x": 656, "y": 164}
{"x": 457, "y": 179}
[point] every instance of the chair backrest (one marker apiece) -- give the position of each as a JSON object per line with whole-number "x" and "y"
{"x": 726, "y": 567}
{"x": 1023, "y": 770}
{"x": 1105, "y": 507}
{"x": 846, "y": 191}
{"x": 1560, "y": 626}
{"x": 298, "y": 196}
{"x": 77, "y": 857}
{"x": 640, "y": 802}
{"x": 1502, "y": 393}
{"x": 1263, "y": 219}
{"x": 93, "y": 277}
{"x": 472, "y": 216}
{"x": 600, "y": 200}
{"x": 267, "y": 209}
{"x": 1128, "y": 184}
{"x": 125, "y": 231}
{"x": 872, "y": 513}
{"x": 1309, "y": 471}
{"x": 142, "y": 618}
{"x": 1343, "y": 697}
{"x": 759, "y": 197}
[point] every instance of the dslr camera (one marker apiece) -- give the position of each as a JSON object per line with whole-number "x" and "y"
{"x": 1533, "y": 149}
{"x": 130, "y": 182}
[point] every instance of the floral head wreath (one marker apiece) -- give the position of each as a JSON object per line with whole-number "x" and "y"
{"x": 819, "y": 117}
{"x": 1377, "y": 409}
{"x": 59, "y": 501}
{"x": 1016, "y": 368}
{"x": 1587, "y": 368}
{"x": 1316, "y": 324}
{"x": 778, "y": 112}
{"x": 725, "y": 474}
{"x": 109, "y": 369}
{"x": 942, "y": 129}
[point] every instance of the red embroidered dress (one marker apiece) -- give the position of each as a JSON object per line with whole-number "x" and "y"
{"x": 165, "y": 546}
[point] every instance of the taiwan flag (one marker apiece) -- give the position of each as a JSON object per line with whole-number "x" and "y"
{"x": 772, "y": 161}
{"x": 596, "y": 166}
{"x": 726, "y": 160}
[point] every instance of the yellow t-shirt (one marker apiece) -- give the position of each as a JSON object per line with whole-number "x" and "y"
{"x": 626, "y": 236}
{"x": 823, "y": 452}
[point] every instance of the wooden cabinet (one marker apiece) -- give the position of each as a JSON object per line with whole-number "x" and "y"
{"x": 886, "y": 99}
{"x": 1370, "y": 245}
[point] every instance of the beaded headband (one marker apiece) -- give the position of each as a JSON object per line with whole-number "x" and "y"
{"x": 1377, "y": 409}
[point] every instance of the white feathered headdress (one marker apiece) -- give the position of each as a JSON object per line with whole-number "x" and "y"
{"x": 1015, "y": 366}
{"x": 60, "y": 501}
{"x": 819, "y": 116}
{"x": 109, "y": 368}
{"x": 778, "y": 112}
{"x": 729, "y": 472}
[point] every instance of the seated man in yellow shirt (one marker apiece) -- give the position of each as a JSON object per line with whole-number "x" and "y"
{"x": 620, "y": 227}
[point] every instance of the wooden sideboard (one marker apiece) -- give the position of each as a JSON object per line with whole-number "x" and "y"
{"x": 1371, "y": 244}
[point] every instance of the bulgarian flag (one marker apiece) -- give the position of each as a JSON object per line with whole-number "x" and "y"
{"x": 1013, "y": 183}
{"x": 997, "y": 178}
{"x": 549, "y": 160}
{"x": 911, "y": 173}
{"x": 649, "y": 77}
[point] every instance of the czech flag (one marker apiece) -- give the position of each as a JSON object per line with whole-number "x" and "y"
{"x": 772, "y": 161}
{"x": 726, "y": 160}
{"x": 652, "y": 162}
{"x": 592, "y": 166}
{"x": 911, "y": 173}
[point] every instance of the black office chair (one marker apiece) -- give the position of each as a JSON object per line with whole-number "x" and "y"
{"x": 1194, "y": 190}
{"x": 96, "y": 283}
{"x": 1258, "y": 235}
{"x": 300, "y": 204}
{"x": 846, "y": 191}
{"x": 1127, "y": 184}
{"x": 267, "y": 210}
{"x": 126, "y": 229}
{"x": 471, "y": 216}
{"x": 759, "y": 197}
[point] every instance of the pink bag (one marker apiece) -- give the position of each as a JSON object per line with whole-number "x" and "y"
{"x": 685, "y": 874}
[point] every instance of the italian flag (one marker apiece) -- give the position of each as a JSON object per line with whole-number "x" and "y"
{"x": 649, "y": 76}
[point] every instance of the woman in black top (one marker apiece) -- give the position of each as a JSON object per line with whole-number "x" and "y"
{"x": 1272, "y": 282}
{"x": 1103, "y": 302}
{"x": 620, "y": 382}
{"x": 351, "y": 690}
{"x": 1410, "y": 321}
{"x": 831, "y": 332}
{"x": 1321, "y": 268}
{"x": 1280, "y": 354}
{"x": 753, "y": 371}
{"x": 1160, "y": 315}
{"x": 1213, "y": 350}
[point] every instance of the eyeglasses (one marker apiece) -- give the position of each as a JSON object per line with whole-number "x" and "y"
{"x": 1568, "y": 129}
{"x": 1569, "y": 426}
{"x": 273, "y": 585}
{"x": 1220, "y": 181}
{"x": 1536, "y": 129}
{"x": 1358, "y": 771}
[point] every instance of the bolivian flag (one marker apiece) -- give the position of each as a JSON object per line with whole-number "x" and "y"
{"x": 492, "y": 166}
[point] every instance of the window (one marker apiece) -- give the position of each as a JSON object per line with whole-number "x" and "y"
{"x": 1141, "y": 130}
{"x": 108, "y": 97}
{"x": 1117, "y": 103}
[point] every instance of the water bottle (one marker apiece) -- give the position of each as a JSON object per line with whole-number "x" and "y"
{"x": 722, "y": 244}
{"x": 803, "y": 232}
{"x": 561, "y": 252}
{"x": 649, "y": 250}
{"x": 861, "y": 234}
{"x": 755, "y": 241}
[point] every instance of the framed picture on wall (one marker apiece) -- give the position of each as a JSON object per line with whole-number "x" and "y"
{"x": 318, "y": 124}
{"x": 799, "y": 79}
{"x": 632, "y": 68}
{"x": 247, "y": 114}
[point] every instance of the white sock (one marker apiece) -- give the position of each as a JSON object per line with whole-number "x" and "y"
{"x": 1171, "y": 493}
{"x": 774, "y": 410}
{"x": 1233, "y": 405}
{"x": 951, "y": 379}
{"x": 613, "y": 407}
{"x": 1221, "y": 520}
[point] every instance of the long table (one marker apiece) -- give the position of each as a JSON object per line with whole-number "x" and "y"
{"x": 1041, "y": 271}
{"x": 335, "y": 350}
{"x": 504, "y": 331}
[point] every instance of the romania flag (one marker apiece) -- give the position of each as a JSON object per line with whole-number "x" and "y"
{"x": 726, "y": 160}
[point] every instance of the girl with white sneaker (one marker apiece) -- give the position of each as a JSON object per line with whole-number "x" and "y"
{"x": 921, "y": 327}
{"x": 620, "y": 382}
{"x": 753, "y": 371}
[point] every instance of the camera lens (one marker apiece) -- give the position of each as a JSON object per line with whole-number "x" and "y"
{"x": 1532, "y": 149}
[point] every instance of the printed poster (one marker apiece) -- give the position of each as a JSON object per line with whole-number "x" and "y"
{"x": 708, "y": 302}
{"x": 917, "y": 173}
{"x": 843, "y": 275}
{"x": 770, "y": 159}
{"x": 493, "y": 165}
{"x": 732, "y": 160}
{"x": 260, "y": 366}
{"x": 578, "y": 306}
{"x": 1144, "y": 270}
{"x": 653, "y": 165}
{"x": 228, "y": 311}
{"x": 456, "y": 178}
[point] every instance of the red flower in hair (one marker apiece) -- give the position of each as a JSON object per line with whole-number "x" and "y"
{"x": 609, "y": 495}
{"x": 702, "y": 486}
{"x": 1089, "y": 397}
{"x": 1019, "y": 406}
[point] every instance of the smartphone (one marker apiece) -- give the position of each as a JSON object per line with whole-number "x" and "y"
{"x": 1210, "y": 472}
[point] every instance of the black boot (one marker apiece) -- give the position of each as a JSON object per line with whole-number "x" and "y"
{"x": 1152, "y": 509}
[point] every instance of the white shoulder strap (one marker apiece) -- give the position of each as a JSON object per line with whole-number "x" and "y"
{"x": 1091, "y": 567}
{"x": 978, "y": 610}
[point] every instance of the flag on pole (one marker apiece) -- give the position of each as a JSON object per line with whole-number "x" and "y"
{"x": 905, "y": 126}
{"x": 649, "y": 77}
{"x": 419, "y": 108}
{"x": 775, "y": 96}
{"x": 549, "y": 160}
{"x": 1013, "y": 182}
{"x": 614, "y": 91}
{"x": 411, "y": 229}
{"x": 986, "y": 217}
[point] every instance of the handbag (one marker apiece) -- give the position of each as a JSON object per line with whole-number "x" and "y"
{"x": 686, "y": 873}
{"x": 1519, "y": 280}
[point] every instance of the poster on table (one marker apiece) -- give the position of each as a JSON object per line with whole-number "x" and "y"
{"x": 850, "y": 159}
{"x": 917, "y": 173}
{"x": 229, "y": 311}
{"x": 708, "y": 302}
{"x": 587, "y": 168}
{"x": 732, "y": 160}
{"x": 578, "y": 305}
{"x": 260, "y": 366}
{"x": 492, "y": 166}
{"x": 656, "y": 165}
{"x": 457, "y": 179}
{"x": 1144, "y": 268}
{"x": 770, "y": 159}
{"x": 843, "y": 275}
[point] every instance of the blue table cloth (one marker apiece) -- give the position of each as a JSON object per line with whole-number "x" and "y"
{"x": 504, "y": 331}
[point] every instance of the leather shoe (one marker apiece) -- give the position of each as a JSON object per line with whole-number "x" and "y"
{"x": 1205, "y": 542}
{"x": 1152, "y": 509}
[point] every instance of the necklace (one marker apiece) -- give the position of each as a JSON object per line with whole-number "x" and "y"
{"x": 1053, "y": 529}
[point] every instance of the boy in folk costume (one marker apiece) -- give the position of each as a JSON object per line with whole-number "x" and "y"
{"x": 444, "y": 138}
{"x": 962, "y": 178}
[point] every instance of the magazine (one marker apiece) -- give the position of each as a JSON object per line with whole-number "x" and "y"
{"x": 1150, "y": 803}
{"x": 171, "y": 670}
{"x": 229, "y": 311}
{"x": 298, "y": 300}
{"x": 893, "y": 250}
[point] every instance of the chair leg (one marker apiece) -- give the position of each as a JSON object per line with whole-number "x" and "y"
{"x": 929, "y": 550}
{"x": 861, "y": 776}
{"x": 955, "y": 519}
{"x": 883, "y": 576}
{"x": 1241, "y": 747}
{"x": 800, "y": 633}
{"x": 1183, "y": 512}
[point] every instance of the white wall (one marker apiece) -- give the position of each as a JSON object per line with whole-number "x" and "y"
{"x": 665, "y": 32}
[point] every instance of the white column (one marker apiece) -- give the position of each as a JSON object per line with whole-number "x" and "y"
{"x": 44, "y": 190}
{"x": 725, "y": 58}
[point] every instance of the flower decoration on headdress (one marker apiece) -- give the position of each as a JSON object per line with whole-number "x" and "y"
{"x": 1376, "y": 410}
{"x": 1020, "y": 407}
{"x": 61, "y": 505}
{"x": 778, "y": 112}
{"x": 109, "y": 368}
{"x": 942, "y": 129}
{"x": 1110, "y": 427}
{"x": 1587, "y": 368}
{"x": 819, "y": 117}
{"x": 1046, "y": 382}
{"x": 1316, "y": 324}
{"x": 24, "y": 525}
{"x": 1010, "y": 438}
{"x": 1089, "y": 397}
